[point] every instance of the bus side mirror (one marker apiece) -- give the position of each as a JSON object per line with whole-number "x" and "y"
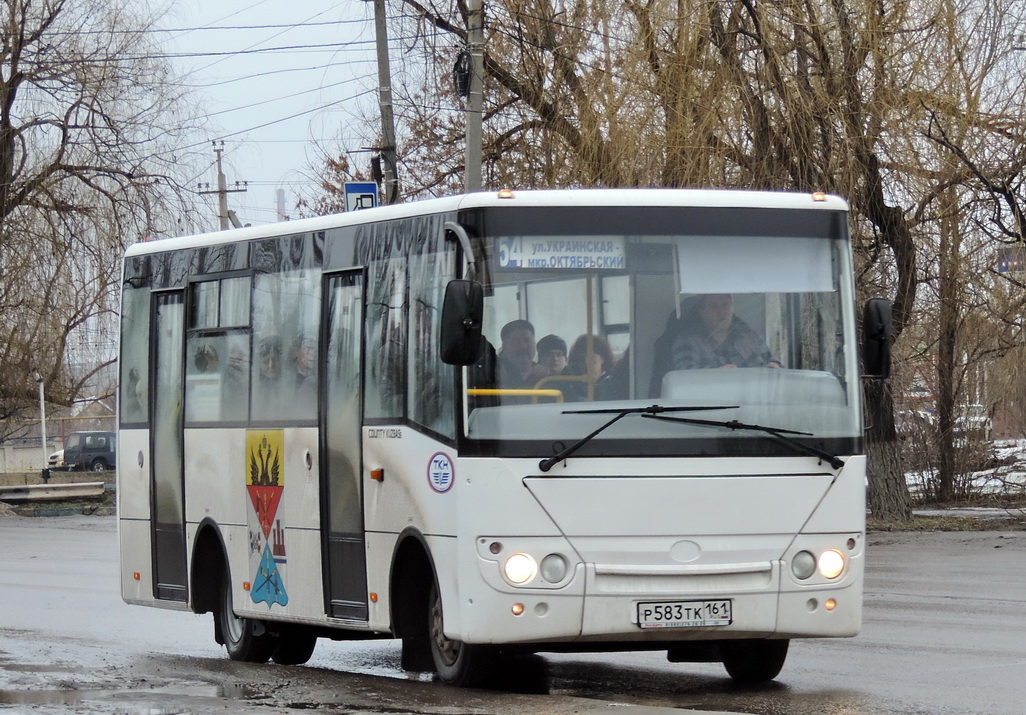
{"x": 876, "y": 338}
{"x": 462, "y": 313}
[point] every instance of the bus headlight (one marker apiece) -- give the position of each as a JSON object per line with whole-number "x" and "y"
{"x": 831, "y": 564}
{"x": 553, "y": 568}
{"x": 803, "y": 565}
{"x": 520, "y": 568}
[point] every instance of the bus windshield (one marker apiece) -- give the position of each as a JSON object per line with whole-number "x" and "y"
{"x": 740, "y": 310}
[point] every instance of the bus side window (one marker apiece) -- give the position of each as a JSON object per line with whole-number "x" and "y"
{"x": 386, "y": 339}
{"x": 284, "y": 376}
{"x": 431, "y": 395}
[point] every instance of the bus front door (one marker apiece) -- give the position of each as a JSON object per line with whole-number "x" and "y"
{"x": 345, "y": 563}
{"x": 167, "y": 488}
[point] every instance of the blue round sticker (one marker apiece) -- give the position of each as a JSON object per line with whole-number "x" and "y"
{"x": 440, "y": 472}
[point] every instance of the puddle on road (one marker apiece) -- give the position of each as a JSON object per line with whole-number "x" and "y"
{"x": 71, "y": 697}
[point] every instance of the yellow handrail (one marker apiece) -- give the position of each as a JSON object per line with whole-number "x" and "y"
{"x": 507, "y": 392}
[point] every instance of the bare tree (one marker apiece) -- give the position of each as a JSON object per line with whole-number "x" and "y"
{"x": 91, "y": 134}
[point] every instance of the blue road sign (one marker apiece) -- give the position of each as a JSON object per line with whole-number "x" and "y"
{"x": 361, "y": 195}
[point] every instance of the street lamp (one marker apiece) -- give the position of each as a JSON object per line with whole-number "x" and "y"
{"x": 42, "y": 426}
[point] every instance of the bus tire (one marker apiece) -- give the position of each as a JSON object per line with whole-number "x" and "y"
{"x": 244, "y": 639}
{"x": 754, "y": 661}
{"x": 293, "y": 647}
{"x": 457, "y": 663}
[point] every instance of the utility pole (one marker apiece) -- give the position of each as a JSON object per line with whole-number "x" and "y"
{"x": 387, "y": 149}
{"x": 223, "y": 214}
{"x": 475, "y": 97}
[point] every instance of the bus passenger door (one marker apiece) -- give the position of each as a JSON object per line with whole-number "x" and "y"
{"x": 345, "y": 563}
{"x": 167, "y": 488}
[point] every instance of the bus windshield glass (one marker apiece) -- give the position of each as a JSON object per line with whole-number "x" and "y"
{"x": 586, "y": 309}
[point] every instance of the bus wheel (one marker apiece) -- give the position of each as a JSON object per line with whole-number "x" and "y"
{"x": 293, "y": 647}
{"x": 753, "y": 661}
{"x": 240, "y": 635}
{"x": 457, "y": 663}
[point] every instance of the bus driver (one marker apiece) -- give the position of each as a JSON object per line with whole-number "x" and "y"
{"x": 709, "y": 335}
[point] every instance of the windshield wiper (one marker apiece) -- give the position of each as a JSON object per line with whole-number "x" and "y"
{"x": 780, "y": 434}
{"x": 650, "y": 411}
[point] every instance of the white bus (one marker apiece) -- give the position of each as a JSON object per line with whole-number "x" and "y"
{"x": 342, "y": 427}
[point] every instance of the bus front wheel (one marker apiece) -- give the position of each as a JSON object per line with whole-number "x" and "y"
{"x": 457, "y": 663}
{"x": 753, "y": 661}
{"x": 243, "y": 638}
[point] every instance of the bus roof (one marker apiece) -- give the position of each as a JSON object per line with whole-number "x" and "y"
{"x": 719, "y": 198}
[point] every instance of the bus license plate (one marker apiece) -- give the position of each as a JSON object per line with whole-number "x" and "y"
{"x": 684, "y": 614}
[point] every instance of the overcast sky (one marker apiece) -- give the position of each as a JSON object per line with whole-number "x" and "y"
{"x": 273, "y": 109}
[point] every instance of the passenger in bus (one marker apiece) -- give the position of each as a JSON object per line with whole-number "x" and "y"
{"x": 270, "y": 360}
{"x": 305, "y": 362}
{"x": 596, "y": 365}
{"x": 552, "y": 354}
{"x": 133, "y": 403}
{"x": 516, "y": 366}
{"x": 708, "y": 335}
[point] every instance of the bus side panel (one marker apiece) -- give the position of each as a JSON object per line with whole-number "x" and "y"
{"x": 270, "y": 522}
{"x": 136, "y": 558}
{"x": 133, "y": 477}
{"x": 420, "y": 483}
{"x": 380, "y": 549}
{"x": 301, "y": 505}
{"x": 215, "y": 475}
{"x": 133, "y": 499}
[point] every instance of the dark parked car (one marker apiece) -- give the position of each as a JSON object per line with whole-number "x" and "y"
{"x": 86, "y": 450}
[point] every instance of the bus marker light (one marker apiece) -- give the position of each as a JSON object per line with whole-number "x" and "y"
{"x": 373, "y": 597}
{"x": 136, "y": 576}
{"x": 495, "y": 547}
{"x": 505, "y": 193}
{"x": 518, "y": 609}
{"x": 378, "y": 474}
{"x": 818, "y": 196}
{"x": 245, "y": 585}
{"x": 830, "y": 604}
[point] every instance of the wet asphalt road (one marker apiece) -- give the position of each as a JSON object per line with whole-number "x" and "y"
{"x": 944, "y": 632}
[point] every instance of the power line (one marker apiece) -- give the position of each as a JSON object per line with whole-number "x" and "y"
{"x": 288, "y": 96}
{"x": 352, "y": 45}
{"x": 186, "y": 30}
{"x": 269, "y": 73}
{"x": 266, "y": 124}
